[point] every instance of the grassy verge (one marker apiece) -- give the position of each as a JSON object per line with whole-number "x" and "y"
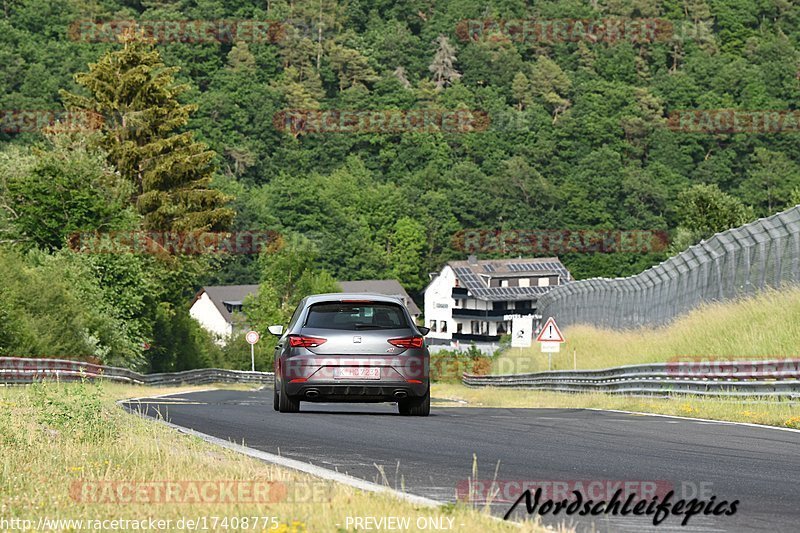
{"x": 781, "y": 414}
{"x": 55, "y": 438}
{"x": 765, "y": 326}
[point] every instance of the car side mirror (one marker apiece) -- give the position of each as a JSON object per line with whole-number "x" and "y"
{"x": 424, "y": 330}
{"x": 276, "y": 330}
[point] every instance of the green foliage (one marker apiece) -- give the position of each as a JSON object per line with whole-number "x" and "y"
{"x": 58, "y": 308}
{"x": 58, "y": 189}
{"x": 770, "y": 181}
{"x": 236, "y": 353}
{"x": 450, "y": 366}
{"x": 136, "y": 95}
{"x": 706, "y": 210}
{"x": 179, "y": 343}
{"x": 76, "y": 409}
{"x": 288, "y": 275}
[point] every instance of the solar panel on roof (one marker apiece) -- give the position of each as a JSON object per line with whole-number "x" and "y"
{"x": 468, "y": 277}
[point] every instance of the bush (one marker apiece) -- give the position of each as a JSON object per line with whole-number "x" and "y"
{"x": 74, "y": 409}
{"x": 447, "y": 366}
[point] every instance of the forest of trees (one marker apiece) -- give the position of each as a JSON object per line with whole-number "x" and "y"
{"x": 578, "y": 139}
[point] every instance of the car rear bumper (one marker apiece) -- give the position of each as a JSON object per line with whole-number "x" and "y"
{"x": 355, "y": 391}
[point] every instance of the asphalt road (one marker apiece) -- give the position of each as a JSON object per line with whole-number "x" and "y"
{"x": 564, "y": 448}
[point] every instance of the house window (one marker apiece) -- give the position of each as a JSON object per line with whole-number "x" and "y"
{"x": 525, "y": 282}
{"x": 504, "y": 283}
{"x": 443, "y": 326}
{"x": 433, "y": 325}
{"x": 501, "y": 328}
{"x": 459, "y": 327}
{"x": 544, "y": 282}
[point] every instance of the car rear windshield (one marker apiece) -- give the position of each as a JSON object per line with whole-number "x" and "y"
{"x": 356, "y": 316}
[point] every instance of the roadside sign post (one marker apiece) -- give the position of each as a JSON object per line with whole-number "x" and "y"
{"x": 252, "y": 338}
{"x": 521, "y": 331}
{"x": 550, "y": 338}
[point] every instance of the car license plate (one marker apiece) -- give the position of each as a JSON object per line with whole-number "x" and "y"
{"x": 357, "y": 372}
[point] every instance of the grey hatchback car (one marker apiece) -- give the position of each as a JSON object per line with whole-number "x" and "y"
{"x": 352, "y": 348}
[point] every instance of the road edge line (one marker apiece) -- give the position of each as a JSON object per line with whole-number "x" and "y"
{"x": 167, "y": 395}
{"x": 678, "y": 417}
{"x": 293, "y": 464}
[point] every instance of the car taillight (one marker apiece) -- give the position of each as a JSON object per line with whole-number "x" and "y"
{"x": 407, "y": 342}
{"x": 301, "y": 341}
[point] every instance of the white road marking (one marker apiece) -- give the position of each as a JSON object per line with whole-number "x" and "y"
{"x": 706, "y": 420}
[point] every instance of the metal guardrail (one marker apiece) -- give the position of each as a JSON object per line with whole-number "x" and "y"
{"x": 17, "y": 370}
{"x": 777, "y": 377}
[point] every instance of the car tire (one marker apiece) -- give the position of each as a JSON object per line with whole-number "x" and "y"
{"x": 416, "y": 406}
{"x": 275, "y": 401}
{"x": 287, "y": 404}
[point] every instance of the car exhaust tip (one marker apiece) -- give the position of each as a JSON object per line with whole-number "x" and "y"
{"x": 400, "y": 394}
{"x": 313, "y": 393}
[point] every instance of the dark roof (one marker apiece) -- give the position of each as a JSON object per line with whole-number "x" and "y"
{"x": 390, "y": 287}
{"x": 474, "y": 276}
{"x": 231, "y": 294}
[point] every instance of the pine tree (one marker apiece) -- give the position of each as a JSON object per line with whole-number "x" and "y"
{"x": 136, "y": 95}
{"x": 241, "y": 58}
{"x": 442, "y": 67}
{"x": 520, "y": 90}
{"x": 402, "y": 76}
{"x": 551, "y": 84}
{"x": 351, "y": 67}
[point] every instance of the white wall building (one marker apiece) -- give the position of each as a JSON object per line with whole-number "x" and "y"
{"x": 472, "y": 301}
{"x": 217, "y": 309}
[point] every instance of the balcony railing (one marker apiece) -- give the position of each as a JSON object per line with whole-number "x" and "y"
{"x": 481, "y": 313}
{"x": 476, "y": 338}
{"x": 459, "y": 292}
{"x": 491, "y": 314}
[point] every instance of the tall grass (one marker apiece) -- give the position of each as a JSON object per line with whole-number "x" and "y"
{"x": 52, "y": 436}
{"x": 764, "y": 326}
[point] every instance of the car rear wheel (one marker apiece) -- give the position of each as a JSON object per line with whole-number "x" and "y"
{"x": 275, "y": 401}
{"x": 287, "y": 404}
{"x": 416, "y": 406}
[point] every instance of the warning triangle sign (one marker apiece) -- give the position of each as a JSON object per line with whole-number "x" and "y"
{"x": 550, "y": 332}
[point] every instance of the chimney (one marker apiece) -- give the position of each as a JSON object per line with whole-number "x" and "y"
{"x": 472, "y": 259}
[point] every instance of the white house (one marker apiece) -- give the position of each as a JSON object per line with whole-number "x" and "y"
{"x": 217, "y": 308}
{"x": 473, "y": 300}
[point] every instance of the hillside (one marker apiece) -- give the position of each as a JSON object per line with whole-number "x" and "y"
{"x": 579, "y": 136}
